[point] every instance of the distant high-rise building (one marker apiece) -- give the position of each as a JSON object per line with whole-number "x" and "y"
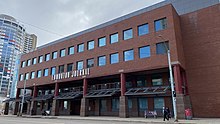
{"x": 30, "y": 43}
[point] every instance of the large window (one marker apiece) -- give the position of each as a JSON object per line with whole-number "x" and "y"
{"x": 103, "y": 105}
{"x": 143, "y": 104}
{"x": 143, "y": 29}
{"x": 46, "y": 71}
{"x": 61, "y": 69}
{"x": 69, "y": 67}
{"x": 54, "y": 55}
{"x": 40, "y": 59}
{"x": 157, "y": 80}
{"x": 62, "y": 52}
{"x": 80, "y": 48}
{"x": 32, "y": 75}
{"x": 90, "y": 63}
{"x": 91, "y": 45}
{"x": 53, "y": 71}
{"x": 127, "y": 34}
{"x": 141, "y": 81}
{"x": 115, "y": 104}
{"x": 102, "y": 41}
{"x": 47, "y": 57}
{"x": 71, "y": 50}
{"x": 23, "y": 64}
{"x": 34, "y": 61}
{"x": 38, "y": 73}
{"x": 128, "y": 55}
{"x": 114, "y": 58}
{"x": 144, "y": 52}
{"x": 114, "y": 38}
{"x": 101, "y": 60}
{"x": 28, "y": 62}
{"x": 129, "y": 103}
{"x": 79, "y": 65}
{"x": 158, "y": 103}
{"x": 160, "y": 24}
{"x": 26, "y": 76}
{"x": 21, "y": 77}
{"x": 161, "y": 48}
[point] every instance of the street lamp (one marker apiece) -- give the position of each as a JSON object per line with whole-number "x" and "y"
{"x": 22, "y": 101}
{"x": 171, "y": 81}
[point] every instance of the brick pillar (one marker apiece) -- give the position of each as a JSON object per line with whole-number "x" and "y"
{"x": 180, "y": 105}
{"x": 33, "y": 108}
{"x": 84, "y": 101}
{"x": 123, "y": 110}
{"x": 28, "y": 108}
{"x": 16, "y": 108}
{"x": 6, "y": 108}
{"x": 55, "y": 105}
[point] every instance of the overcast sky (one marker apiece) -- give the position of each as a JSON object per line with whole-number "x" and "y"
{"x": 65, "y": 17}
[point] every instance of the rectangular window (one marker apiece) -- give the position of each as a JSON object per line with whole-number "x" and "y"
{"x": 28, "y": 62}
{"x": 26, "y": 76}
{"x": 90, "y": 63}
{"x": 38, "y": 73}
{"x": 101, "y": 60}
{"x": 128, "y": 55}
{"x": 40, "y": 59}
{"x": 53, "y": 70}
{"x": 144, "y": 52}
{"x": 47, "y": 57}
{"x": 129, "y": 103}
{"x": 46, "y": 71}
{"x": 141, "y": 81}
{"x": 71, "y": 50}
{"x": 114, "y": 58}
{"x": 103, "y": 105}
{"x": 91, "y": 45}
{"x": 143, "y": 104}
{"x": 34, "y": 61}
{"x": 61, "y": 69}
{"x": 114, "y": 38}
{"x": 54, "y": 55}
{"x": 32, "y": 75}
{"x": 21, "y": 77}
{"x": 23, "y": 64}
{"x": 127, "y": 34}
{"x": 161, "y": 48}
{"x": 102, "y": 41}
{"x": 158, "y": 103}
{"x": 80, "y": 48}
{"x": 115, "y": 104}
{"x": 157, "y": 80}
{"x": 62, "y": 52}
{"x": 143, "y": 29}
{"x": 79, "y": 65}
{"x": 69, "y": 67}
{"x": 160, "y": 24}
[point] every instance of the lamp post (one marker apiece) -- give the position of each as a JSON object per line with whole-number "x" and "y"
{"x": 22, "y": 101}
{"x": 171, "y": 81}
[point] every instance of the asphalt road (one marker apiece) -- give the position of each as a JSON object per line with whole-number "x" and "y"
{"x": 18, "y": 120}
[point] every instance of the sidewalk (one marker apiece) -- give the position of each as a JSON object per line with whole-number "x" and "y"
{"x": 145, "y": 120}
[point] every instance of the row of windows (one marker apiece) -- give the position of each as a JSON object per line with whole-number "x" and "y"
{"x": 128, "y": 55}
{"x": 127, "y": 34}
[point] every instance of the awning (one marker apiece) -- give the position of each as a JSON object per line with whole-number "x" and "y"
{"x": 69, "y": 95}
{"x": 102, "y": 93}
{"x": 26, "y": 98}
{"x": 43, "y": 97}
{"x": 147, "y": 90}
{"x": 9, "y": 99}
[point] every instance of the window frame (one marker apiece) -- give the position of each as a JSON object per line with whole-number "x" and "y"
{"x": 124, "y": 32}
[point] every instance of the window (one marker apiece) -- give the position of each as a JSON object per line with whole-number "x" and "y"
{"x": 160, "y": 24}
{"x": 128, "y": 55}
{"x": 158, "y": 103}
{"x": 38, "y": 73}
{"x": 129, "y": 103}
{"x": 157, "y": 80}
{"x": 47, "y": 57}
{"x": 65, "y": 104}
{"x": 40, "y": 59}
{"x": 144, "y": 52}
{"x": 28, "y": 62}
{"x": 141, "y": 82}
{"x": 32, "y": 75}
{"x": 143, "y": 104}
{"x": 21, "y": 77}
{"x": 71, "y": 50}
{"x": 102, "y": 41}
{"x": 26, "y": 76}
{"x": 143, "y": 29}
{"x": 69, "y": 67}
{"x": 23, "y": 64}
{"x": 90, "y": 63}
{"x": 128, "y": 84}
{"x": 161, "y": 48}
{"x": 115, "y": 104}
{"x": 127, "y": 34}
{"x": 61, "y": 69}
{"x": 54, "y": 55}
{"x": 80, "y": 48}
{"x": 62, "y": 52}
{"x": 79, "y": 65}
{"x": 114, "y": 58}
{"x": 101, "y": 60}
{"x": 103, "y": 105}
{"x": 91, "y": 45}
{"x": 114, "y": 38}
{"x": 34, "y": 61}
{"x": 53, "y": 71}
{"x": 46, "y": 71}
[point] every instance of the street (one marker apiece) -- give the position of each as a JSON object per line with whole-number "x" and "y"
{"x": 16, "y": 120}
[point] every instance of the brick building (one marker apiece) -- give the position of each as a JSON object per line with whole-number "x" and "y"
{"x": 120, "y": 68}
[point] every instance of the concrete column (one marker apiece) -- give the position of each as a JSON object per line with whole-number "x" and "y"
{"x": 55, "y": 105}
{"x": 123, "y": 110}
{"x": 16, "y": 108}
{"x": 84, "y": 107}
{"x": 33, "y": 108}
{"x": 28, "y": 108}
